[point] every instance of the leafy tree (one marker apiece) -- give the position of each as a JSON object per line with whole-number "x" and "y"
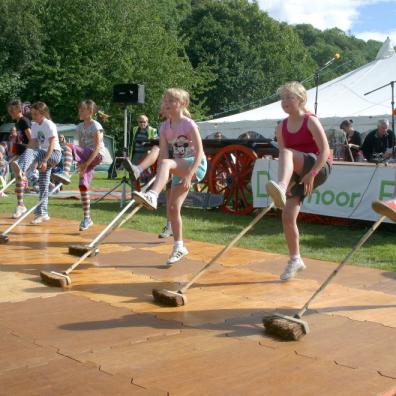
{"x": 250, "y": 53}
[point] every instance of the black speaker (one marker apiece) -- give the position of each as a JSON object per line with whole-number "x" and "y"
{"x": 128, "y": 93}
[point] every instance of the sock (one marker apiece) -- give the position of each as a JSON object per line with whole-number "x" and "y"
{"x": 140, "y": 169}
{"x": 178, "y": 244}
{"x": 19, "y": 189}
{"x": 153, "y": 193}
{"x": 282, "y": 186}
{"x": 169, "y": 225}
{"x": 67, "y": 159}
{"x": 295, "y": 257}
{"x": 86, "y": 204}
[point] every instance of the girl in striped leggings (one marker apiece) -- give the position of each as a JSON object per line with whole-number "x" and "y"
{"x": 44, "y": 152}
{"x": 89, "y": 153}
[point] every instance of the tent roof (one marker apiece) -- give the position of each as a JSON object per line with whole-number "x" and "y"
{"x": 345, "y": 95}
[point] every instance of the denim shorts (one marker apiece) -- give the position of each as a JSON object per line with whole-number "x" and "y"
{"x": 309, "y": 160}
{"x": 199, "y": 173}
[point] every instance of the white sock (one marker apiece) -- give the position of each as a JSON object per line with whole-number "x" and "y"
{"x": 169, "y": 225}
{"x": 140, "y": 169}
{"x": 295, "y": 257}
{"x": 153, "y": 193}
{"x": 282, "y": 186}
{"x": 178, "y": 244}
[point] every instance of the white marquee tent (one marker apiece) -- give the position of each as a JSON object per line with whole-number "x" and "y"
{"x": 338, "y": 99}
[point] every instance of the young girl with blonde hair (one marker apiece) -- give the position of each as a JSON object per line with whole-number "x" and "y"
{"x": 187, "y": 166}
{"x": 304, "y": 163}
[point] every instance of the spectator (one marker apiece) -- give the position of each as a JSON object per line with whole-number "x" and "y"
{"x": 379, "y": 143}
{"x": 354, "y": 141}
{"x": 22, "y": 124}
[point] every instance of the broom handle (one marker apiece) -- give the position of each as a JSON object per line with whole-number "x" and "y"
{"x": 360, "y": 243}
{"x": 27, "y": 213}
{"x": 7, "y": 185}
{"x": 103, "y": 233}
{"x": 258, "y": 217}
{"x": 110, "y": 225}
{"x": 349, "y": 149}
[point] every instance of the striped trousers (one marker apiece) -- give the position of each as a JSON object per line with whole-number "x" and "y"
{"x": 31, "y": 156}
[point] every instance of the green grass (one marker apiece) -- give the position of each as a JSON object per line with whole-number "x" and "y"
{"x": 325, "y": 242}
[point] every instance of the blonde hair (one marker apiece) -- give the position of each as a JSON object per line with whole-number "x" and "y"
{"x": 41, "y": 108}
{"x": 182, "y": 96}
{"x": 295, "y": 88}
{"x": 90, "y": 105}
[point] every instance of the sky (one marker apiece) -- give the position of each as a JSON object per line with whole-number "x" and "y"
{"x": 365, "y": 19}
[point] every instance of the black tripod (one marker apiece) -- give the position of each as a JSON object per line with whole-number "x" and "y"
{"x": 124, "y": 180}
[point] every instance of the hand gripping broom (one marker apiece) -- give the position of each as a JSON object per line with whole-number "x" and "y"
{"x": 293, "y": 327}
{"x": 178, "y": 298}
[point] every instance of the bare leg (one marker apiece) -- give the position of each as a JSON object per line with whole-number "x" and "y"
{"x": 289, "y": 161}
{"x": 176, "y": 198}
{"x": 150, "y": 159}
{"x": 289, "y": 220}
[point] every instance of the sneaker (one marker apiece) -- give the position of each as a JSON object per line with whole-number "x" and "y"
{"x": 16, "y": 170}
{"x": 386, "y": 208}
{"x": 61, "y": 178}
{"x": 277, "y": 194}
{"x": 38, "y": 219}
{"x": 132, "y": 169}
{"x": 177, "y": 254}
{"x": 19, "y": 211}
{"x": 146, "y": 199}
{"x": 85, "y": 223}
{"x": 293, "y": 266}
{"x": 166, "y": 232}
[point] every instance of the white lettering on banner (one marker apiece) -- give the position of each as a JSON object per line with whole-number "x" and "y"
{"x": 347, "y": 193}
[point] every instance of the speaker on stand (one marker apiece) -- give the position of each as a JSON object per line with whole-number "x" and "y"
{"x": 125, "y": 94}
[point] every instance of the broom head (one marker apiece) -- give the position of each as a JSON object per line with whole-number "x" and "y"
{"x": 285, "y": 327}
{"x": 55, "y": 279}
{"x": 80, "y": 250}
{"x": 170, "y": 298}
{"x": 4, "y": 239}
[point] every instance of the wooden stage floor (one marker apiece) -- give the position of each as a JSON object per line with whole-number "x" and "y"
{"x": 105, "y": 336}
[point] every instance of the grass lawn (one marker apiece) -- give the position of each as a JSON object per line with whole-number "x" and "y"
{"x": 319, "y": 241}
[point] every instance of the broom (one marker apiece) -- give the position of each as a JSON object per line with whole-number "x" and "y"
{"x": 4, "y": 235}
{"x": 178, "y": 298}
{"x": 62, "y": 279}
{"x": 292, "y": 327}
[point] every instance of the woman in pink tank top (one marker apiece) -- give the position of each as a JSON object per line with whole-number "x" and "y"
{"x": 187, "y": 166}
{"x": 304, "y": 163}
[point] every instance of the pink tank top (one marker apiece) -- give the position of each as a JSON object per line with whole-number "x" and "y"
{"x": 302, "y": 140}
{"x": 180, "y": 138}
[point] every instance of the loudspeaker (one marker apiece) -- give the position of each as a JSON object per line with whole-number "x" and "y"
{"x": 128, "y": 93}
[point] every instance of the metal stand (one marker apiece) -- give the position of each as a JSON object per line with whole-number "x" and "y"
{"x": 124, "y": 181}
{"x": 392, "y": 85}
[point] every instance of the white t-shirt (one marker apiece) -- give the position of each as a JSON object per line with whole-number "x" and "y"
{"x": 43, "y": 132}
{"x": 86, "y": 135}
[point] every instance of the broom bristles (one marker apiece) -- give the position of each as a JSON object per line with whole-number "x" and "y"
{"x": 169, "y": 298}
{"x": 4, "y": 239}
{"x": 285, "y": 327}
{"x": 80, "y": 250}
{"x": 55, "y": 279}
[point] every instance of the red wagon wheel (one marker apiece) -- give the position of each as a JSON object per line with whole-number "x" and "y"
{"x": 229, "y": 174}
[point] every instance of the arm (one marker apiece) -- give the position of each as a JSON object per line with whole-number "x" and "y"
{"x": 197, "y": 142}
{"x": 320, "y": 138}
{"x": 164, "y": 151}
{"x": 98, "y": 137}
{"x": 43, "y": 166}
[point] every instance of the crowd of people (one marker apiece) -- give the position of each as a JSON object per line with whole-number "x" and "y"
{"x": 305, "y": 160}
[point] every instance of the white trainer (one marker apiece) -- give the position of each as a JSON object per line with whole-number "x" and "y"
{"x": 293, "y": 266}
{"x": 19, "y": 211}
{"x": 61, "y": 177}
{"x": 38, "y": 219}
{"x": 146, "y": 199}
{"x": 177, "y": 254}
{"x": 166, "y": 232}
{"x": 277, "y": 194}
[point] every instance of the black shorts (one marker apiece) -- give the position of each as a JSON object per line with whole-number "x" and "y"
{"x": 20, "y": 148}
{"x": 298, "y": 189}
